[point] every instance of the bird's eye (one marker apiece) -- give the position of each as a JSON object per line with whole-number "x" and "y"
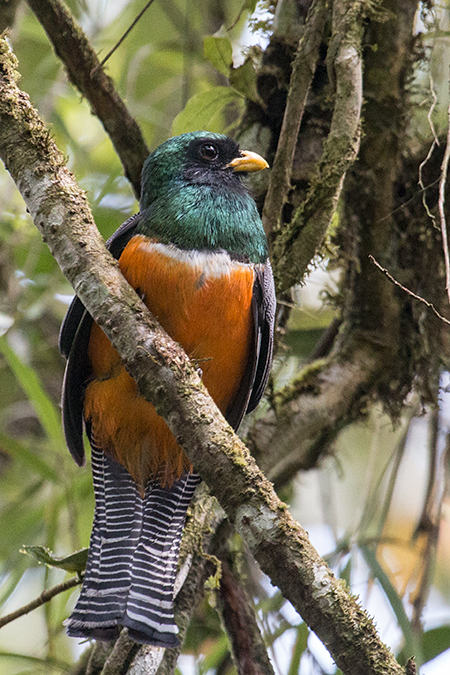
{"x": 209, "y": 151}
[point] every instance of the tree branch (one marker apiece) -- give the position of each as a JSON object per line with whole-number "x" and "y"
{"x": 121, "y": 655}
{"x": 309, "y": 413}
{"x": 168, "y": 380}
{"x": 303, "y": 69}
{"x": 44, "y": 597}
{"x": 238, "y": 616}
{"x": 296, "y": 245}
{"x": 85, "y": 72}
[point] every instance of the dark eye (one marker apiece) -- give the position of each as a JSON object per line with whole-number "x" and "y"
{"x": 208, "y": 151}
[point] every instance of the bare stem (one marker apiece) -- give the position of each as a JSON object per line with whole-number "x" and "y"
{"x": 44, "y": 597}
{"x": 408, "y": 291}
{"x": 124, "y": 36}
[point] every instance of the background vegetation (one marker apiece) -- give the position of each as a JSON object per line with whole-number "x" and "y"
{"x": 354, "y": 431}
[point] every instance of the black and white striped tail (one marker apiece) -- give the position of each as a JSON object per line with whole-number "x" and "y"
{"x": 133, "y": 553}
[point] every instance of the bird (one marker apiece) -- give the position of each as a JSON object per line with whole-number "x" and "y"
{"x": 197, "y": 255}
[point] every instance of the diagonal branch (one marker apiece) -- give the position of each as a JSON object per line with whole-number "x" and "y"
{"x": 44, "y": 597}
{"x": 85, "y": 72}
{"x": 168, "y": 380}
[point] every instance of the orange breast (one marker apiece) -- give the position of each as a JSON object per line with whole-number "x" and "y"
{"x": 204, "y": 302}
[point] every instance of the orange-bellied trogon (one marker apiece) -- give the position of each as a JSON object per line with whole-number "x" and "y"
{"x": 196, "y": 253}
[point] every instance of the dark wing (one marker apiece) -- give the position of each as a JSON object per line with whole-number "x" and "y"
{"x": 73, "y": 344}
{"x": 257, "y": 373}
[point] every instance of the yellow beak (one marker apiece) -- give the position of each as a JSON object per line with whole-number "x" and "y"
{"x": 248, "y": 161}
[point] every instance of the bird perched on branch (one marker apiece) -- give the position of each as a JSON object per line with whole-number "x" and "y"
{"x": 197, "y": 255}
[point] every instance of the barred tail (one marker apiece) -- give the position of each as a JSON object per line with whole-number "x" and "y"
{"x": 149, "y": 612}
{"x": 133, "y": 556}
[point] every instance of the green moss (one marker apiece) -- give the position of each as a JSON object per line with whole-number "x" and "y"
{"x": 305, "y": 382}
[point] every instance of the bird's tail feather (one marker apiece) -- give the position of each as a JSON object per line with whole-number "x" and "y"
{"x": 149, "y": 612}
{"x": 133, "y": 555}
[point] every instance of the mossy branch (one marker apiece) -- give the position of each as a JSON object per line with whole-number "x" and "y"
{"x": 298, "y": 242}
{"x": 303, "y": 69}
{"x": 168, "y": 380}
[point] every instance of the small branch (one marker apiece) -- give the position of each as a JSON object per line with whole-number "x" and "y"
{"x": 303, "y": 69}
{"x": 441, "y": 205}
{"x": 44, "y": 597}
{"x": 121, "y": 655}
{"x": 406, "y": 290}
{"x": 297, "y": 244}
{"x": 125, "y": 35}
{"x": 238, "y": 616}
{"x": 85, "y": 72}
{"x": 98, "y": 655}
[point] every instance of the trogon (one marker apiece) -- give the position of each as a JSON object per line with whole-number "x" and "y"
{"x": 196, "y": 254}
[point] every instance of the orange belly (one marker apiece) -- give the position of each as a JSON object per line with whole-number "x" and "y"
{"x": 204, "y": 305}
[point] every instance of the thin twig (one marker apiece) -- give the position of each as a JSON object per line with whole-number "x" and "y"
{"x": 422, "y": 191}
{"x": 44, "y": 597}
{"x": 441, "y": 205}
{"x": 413, "y": 295}
{"x": 128, "y": 30}
{"x": 430, "y": 151}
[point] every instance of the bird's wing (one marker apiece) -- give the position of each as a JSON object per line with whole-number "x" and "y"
{"x": 116, "y": 243}
{"x": 257, "y": 372}
{"x": 73, "y": 344}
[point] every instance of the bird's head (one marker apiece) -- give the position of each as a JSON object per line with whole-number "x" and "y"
{"x": 196, "y": 158}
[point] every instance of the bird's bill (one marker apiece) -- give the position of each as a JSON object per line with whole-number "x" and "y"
{"x": 248, "y": 161}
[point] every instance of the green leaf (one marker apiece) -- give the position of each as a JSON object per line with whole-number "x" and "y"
{"x": 249, "y": 6}
{"x": 29, "y": 381}
{"x": 219, "y": 52}
{"x": 243, "y": 79}
{"x": 412, "y": 644}
{"x": 75, "y": 562}
{"x": 28, "y": 458}
{"x": 201, "y": 109}
{"x": 300, "y": 645}
{"x": 36, "y": 660}
{"x": 435, "y": 641}
{"x": 347, "y": 571}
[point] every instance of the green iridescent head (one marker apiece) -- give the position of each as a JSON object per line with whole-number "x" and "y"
{"x": 193, "y": 196}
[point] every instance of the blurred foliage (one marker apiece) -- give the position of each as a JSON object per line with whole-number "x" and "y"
{"x": 180, "y": 69}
